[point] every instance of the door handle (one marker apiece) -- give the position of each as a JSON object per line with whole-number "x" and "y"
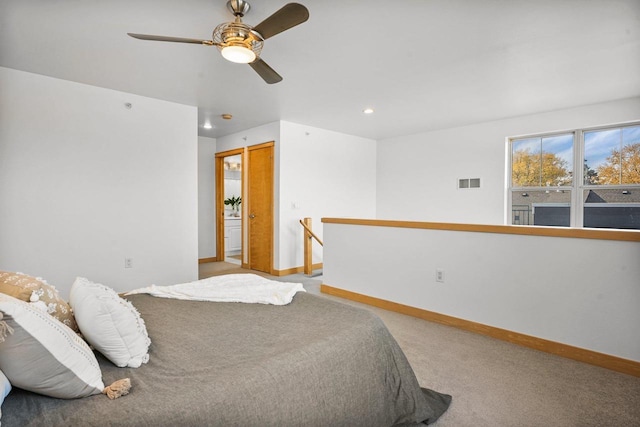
{"x": 252, "y": 215}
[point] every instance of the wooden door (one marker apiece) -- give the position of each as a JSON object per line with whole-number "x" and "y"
{"x": 260, "y": 207}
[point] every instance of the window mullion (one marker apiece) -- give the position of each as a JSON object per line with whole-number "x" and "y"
{"x": 540, "y": 171}
{"x": 620, "y": 161}
{"x": 577, "y": 201}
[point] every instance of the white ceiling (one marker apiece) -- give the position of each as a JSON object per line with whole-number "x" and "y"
{"x": 421, "y": 65}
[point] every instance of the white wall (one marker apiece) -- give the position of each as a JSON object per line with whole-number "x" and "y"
{"x": 254, "y": 136}
{"x": 551, "y": 288}
{"x": 417, "y": 174}
{"x": 86, "y": 182}
{"x": 579, "y": 292}
{"x": 206, "y": 197}
{"x": 322, "y": 174}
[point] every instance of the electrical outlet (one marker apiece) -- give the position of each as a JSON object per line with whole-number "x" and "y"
{"x": 128, "y": 263}
{"x": 439, "y": 275}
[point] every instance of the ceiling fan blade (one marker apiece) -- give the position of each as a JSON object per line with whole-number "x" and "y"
{"x": 267, "y": 73}
{"x": 287, "y": 17}
{"x": 170, "y": 39}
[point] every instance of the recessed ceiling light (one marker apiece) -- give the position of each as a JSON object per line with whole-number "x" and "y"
{"x": 368, "y": 111}
{"x": 207, "y": 125}
{"x": 227, "y": 116}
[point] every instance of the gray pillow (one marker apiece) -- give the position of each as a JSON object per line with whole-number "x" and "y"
{"x": 41, "y": 354}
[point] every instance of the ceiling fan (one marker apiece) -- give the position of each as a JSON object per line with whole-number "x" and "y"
{"x": 242, "y": 43}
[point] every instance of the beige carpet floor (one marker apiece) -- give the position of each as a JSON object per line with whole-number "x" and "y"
{"x": 494, "y": 383}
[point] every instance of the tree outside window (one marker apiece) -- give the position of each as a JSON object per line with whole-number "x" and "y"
{"x": 613, "y": 156}
{"x": 543, "y": 161}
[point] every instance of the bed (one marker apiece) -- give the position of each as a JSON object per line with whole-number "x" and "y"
{"x": 313, "y": 362}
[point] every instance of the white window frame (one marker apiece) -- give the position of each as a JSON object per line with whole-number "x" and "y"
{"x": 578, "y": 187}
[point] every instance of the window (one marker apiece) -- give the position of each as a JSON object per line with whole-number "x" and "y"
{"x": 542, "y": 179}
{"x": 549, "y": 184}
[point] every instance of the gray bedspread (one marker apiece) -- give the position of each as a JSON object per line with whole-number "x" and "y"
{"x": 314, "y": 362}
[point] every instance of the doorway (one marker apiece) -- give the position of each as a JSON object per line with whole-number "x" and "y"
{"x": 229, "y": 207}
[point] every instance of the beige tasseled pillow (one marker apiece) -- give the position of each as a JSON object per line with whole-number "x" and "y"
{"x": 36, "y": 290}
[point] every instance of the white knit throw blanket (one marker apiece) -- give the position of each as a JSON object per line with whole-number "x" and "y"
{"x": 248, "y": 288}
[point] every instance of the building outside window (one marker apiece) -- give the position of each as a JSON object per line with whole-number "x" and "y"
{"x": 584, "y": 178}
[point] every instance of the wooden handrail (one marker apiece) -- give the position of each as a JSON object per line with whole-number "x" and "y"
{"x": 531, "y": 230}
{"x": 308, "y": 254}
{"x": 312, "y": 234}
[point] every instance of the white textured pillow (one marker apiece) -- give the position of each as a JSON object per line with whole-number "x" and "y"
{"x": 109, "y": 323}
{"x": 40, "y": 354}
{"x": 5, "y": 388}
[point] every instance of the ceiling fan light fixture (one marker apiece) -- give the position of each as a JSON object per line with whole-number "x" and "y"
{"x": 238, "y": 54}
{"x": 242, "y": 43}
{"x": 236, "y": 42}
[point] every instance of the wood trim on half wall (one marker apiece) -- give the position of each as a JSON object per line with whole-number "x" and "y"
{"x": 614, "y": 363}
{"x": 529, "y": 230}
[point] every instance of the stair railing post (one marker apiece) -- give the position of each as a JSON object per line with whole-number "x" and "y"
{"x": 308, "y": 254}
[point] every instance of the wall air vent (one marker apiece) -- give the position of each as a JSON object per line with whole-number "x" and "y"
{"x": 469, "y": 183}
